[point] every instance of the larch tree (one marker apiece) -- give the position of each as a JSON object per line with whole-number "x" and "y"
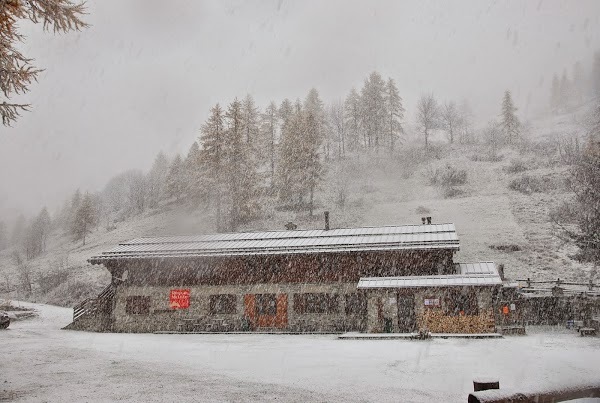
{"x": 85, "y": 218}
{"x": 212, "y": 160}
{"x": 428, "y": 116}
{"x": 289, "y": 167}
{"x": 176, "y": 178}
{"x": 373, "y": 111}
{"x": 337, "y": 127}
{"x": 509, "y": 122}
{"x": 395, "y": 113}
{"x": 352, "y": 113}
{"x": 17, "y": 72}
{"x": 242, "y": 181}
{"x": 157, "y": 179}
{"x": 450, "y": 119}
{"x": 269, "y": 125}
{"x": 310, "y": 145}
{"x": 44, "y": 224}
{"x": 193, "y": 175}
{"x": 250, "y": 126}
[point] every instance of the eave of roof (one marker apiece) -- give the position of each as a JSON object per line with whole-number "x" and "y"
{"x": 418, "y": 237}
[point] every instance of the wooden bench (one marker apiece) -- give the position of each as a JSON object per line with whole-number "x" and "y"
{"x": 587, "y": 331}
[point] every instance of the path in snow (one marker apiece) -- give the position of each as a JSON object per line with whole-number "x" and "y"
{"x": 43, "y": 363}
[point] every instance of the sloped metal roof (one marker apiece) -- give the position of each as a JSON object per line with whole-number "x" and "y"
{"x": 435, "y": 236}
{"x": 470, "y": 274}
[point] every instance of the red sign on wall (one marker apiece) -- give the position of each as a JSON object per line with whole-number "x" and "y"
{"x": 179, "y": 299}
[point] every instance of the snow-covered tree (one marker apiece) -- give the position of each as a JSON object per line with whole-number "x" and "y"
{"x": 373, "y": 110}
{"x": 337, "y": 127}
{"x": 251, "y": 126}
{"x": 313, "y": 135}
{"x": 565, "y": 90}
{"x": 17, "y": 72}
{"x": 193, "y": 174}
{"x": 269, "y": 123}
{"x": 450, "y": 119}
{"x": 157, "y": 178}
{"x": 213, "y": 159}
{"x": 176, "y": 184}
{"x": 136, "y": 191}
{"x": 595, "y": 76}
{"x": 85, "y": 219}
{"x": 465, "y": 127}
{"x": 241, "y": 178}
{"x": 428, "y": 116}
{"x": 352, "y": 113}
{"x": 395, "y": 113}
{"x": 510, "y": 123}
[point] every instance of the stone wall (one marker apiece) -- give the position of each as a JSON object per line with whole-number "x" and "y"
{"x": 162, "y": 318}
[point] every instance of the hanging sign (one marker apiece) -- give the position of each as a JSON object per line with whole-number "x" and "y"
{"x": 179, "y": 299}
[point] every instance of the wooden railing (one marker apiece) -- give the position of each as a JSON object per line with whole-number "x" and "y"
{"x": 93, "y": 306}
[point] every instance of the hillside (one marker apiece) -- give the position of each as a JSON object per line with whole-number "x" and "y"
{"x": 494, "y": 222}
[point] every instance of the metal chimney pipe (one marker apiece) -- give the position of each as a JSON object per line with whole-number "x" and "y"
{"x": 429, "y": 220}
{"x": 327, "y": 221}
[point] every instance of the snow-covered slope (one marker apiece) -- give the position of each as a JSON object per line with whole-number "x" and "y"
{"x": 493, "y": 222}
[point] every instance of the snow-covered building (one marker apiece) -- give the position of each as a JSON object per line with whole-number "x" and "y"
{"x": 373, "y": 279}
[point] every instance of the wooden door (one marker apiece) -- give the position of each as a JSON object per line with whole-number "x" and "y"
{"x": 406, "y": 314}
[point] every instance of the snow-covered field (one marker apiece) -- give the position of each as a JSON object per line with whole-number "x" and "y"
{"x": 41, "y": 363}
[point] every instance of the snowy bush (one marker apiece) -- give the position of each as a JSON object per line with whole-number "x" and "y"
{"x": 516, "y": 166}
{"x": 527, "y": 184}
{"x": 448, "y": 176}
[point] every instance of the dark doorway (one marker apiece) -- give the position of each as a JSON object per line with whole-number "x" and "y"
{"x": 406, "y": 314}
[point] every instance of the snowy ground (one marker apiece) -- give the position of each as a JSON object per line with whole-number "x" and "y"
{"x": 41, "y": 363}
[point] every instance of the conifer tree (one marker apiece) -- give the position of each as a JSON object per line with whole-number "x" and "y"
{"x": 395, "y": 113}
{"x": 269, "y": 130}
{"x": 157, "y": 178}
{"x": 18, "y": 231}
{"x": 193, "y": 175}
{"x": 373, "y": 111}
{"x": 212, "y": 160}
{"x": 242, "y": 187}
{"x": 509, "y": 123}
{"x": 176, "y": 178}
{"x": 85, "y": 219}
{"x": 312, "y": 139}
{"x": 352, "y": 109}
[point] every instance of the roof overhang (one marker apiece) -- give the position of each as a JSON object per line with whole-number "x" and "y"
{"x": 379, "y": 239}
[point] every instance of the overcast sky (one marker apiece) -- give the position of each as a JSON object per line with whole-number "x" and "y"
{"x": 142, "y": 78}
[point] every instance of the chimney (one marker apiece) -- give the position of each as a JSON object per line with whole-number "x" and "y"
{"x": 327, "y": 221}
{"x": 429, "y": 220}
{"x": 423, "y": 220}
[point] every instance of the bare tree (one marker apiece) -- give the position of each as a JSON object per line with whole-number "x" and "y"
{"x": 16, "y": 70}
{"x": 450, "y": 119}
{"x": 428, "y": 116}
{"x": 25, "y": 278}
{"x": 337, "y": 124}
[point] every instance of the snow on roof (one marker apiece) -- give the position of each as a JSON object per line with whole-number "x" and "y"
{"x": 433, "y": 236}
{"x": 470, "y": 274}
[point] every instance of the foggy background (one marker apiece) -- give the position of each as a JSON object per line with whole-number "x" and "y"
{"x": 142, "y": 78}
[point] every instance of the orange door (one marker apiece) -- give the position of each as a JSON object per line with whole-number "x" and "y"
{"x": 250, "y": 309}
{"x": 281, "y": 318}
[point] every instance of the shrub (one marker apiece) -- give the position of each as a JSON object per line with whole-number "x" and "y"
{"x": 527, "y": 184}
{"x": 448, "y": 176}
{"x": 516, "y": 166}
{"x": 452, "y": 191}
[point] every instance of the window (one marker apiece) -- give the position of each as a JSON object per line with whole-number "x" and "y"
{"x": 266, "y": 304}
{"x": 223, "y": 304}
{"x": 316, "y": 303}
{"x": 137, "y": 305}
{"x": 356, "y": 304}
{"x": 461, "y": 302}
